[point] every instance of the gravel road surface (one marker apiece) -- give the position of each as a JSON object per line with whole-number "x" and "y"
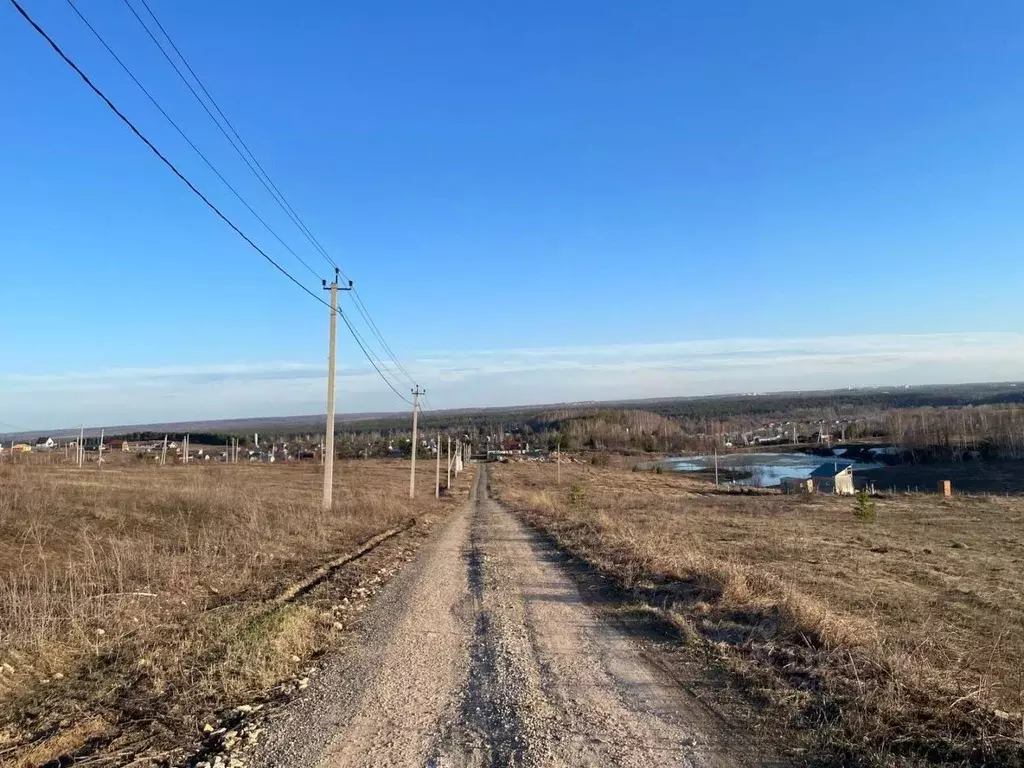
{"x": 482, "y": 652}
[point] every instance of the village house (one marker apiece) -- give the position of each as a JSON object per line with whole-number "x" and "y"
{"x": 44, "y": 444}
{"x": 834, "y": 478}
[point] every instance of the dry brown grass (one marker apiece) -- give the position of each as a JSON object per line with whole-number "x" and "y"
{"x": 897, "y": 641}
{"x": 141, "y": 593}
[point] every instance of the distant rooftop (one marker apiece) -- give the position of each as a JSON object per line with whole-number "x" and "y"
{"x": 831, "y": 468}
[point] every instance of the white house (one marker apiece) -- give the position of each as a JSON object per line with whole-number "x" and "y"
{"x": 834, "y": 478}
{"x": 44, "y": 444}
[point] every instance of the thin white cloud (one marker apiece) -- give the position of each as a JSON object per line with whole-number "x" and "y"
{"x": 497, "y": 377}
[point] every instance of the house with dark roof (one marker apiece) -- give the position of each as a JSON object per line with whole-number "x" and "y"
{"x": 834, "y": 477}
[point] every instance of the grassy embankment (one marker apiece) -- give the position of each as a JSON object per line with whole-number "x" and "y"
{"x": 137, "y": 601}
{"x": 898, "y": 641}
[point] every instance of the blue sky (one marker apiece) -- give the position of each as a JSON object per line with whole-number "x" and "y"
{"x": 538, "y": 201}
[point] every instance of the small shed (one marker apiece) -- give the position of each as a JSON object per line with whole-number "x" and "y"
{"x": 834, "y": 477}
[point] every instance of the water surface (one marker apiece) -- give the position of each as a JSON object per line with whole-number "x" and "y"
{"x": 763, "y": 469}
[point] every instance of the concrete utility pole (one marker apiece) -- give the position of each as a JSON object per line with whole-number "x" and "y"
{"x": 448, "y": 482}
{"x": 716, "y": 466}
{"x": 415, "y": 423}
{"x": 437, "y": 470}
{"x": 81, "y": 447}
{"x": 328, "y": 499}
{"x": 163, "y": 453}
{"x": 99, "y": 461}
{"x": 558, "y": 459}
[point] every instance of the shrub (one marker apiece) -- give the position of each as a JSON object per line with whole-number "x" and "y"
{"x": 576, "y": 495}
{"x": 865, "y": 507}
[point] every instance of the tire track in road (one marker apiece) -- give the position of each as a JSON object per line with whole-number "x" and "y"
{"x": 488, "y": 731}
{"x": 483, "y": 653}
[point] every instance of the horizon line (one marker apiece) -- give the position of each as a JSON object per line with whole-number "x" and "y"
{"x": 366, "y": 415}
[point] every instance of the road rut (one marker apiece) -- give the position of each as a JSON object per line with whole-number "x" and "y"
{"x": 484, "y": 653}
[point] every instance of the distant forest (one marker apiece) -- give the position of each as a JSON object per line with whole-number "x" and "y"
{"x": 953, "y": 419}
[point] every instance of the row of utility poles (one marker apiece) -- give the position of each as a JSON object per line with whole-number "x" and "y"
{"x": 455, "y": 461}
{"x": 329, "y": 448}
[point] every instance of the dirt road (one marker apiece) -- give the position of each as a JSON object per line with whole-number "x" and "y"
{"x": 483, "y": 653}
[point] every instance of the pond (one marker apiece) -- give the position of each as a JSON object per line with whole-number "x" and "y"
{"x": 761, "y": 470}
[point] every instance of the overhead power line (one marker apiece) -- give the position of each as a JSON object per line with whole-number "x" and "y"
{"x": 189, "y": 141}
{"x": 258, "y": 170}
{"x": 240, "y": 147}
{"x": 371, "y": 352}
{"x": 359, "y": 341}
{"x": 163, "y": 158}
{"x": 358, "y": 301}
{"x": 113, "y": 108}
{"x": 255, "y": 166}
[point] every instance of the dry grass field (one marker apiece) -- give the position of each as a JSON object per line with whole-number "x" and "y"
{"x": 898, "y": 641}
{"x": 136, "y": 601}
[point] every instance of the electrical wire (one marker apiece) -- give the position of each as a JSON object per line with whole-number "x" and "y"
{"x": 253, "y": 163}
{"x": 380, "y": 358}
{"x": 282, "y": 201}
{"x": 355, "y": 335}
{"x": 124, "y": 119}
{"x": 95, "y": 89}
{"x": 357, "y": 299}
{"x": 371, "y": 353}
{"x": 189, "y": 141}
